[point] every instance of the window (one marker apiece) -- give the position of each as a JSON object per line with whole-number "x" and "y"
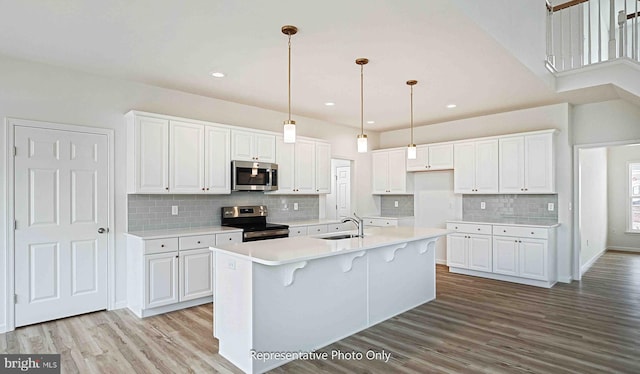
{"x": 634, "y": 196}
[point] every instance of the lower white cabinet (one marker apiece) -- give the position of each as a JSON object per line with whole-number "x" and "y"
{"x": 522, "y": 254}
{"x": 319, "y": 229}
{"x": 388, "y": 221}
{"x": 177, "y": 272}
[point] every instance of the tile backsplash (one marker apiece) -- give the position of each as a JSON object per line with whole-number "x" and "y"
{"x": 153, "y": 212}
{"x": 388, "y": 208}
{"x": 510, "y": 208}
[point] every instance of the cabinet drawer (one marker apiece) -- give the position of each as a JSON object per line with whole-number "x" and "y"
{"x": 229, "y": 238}
{"x": 381, "y": 222}
{"x": 199, "y": 241}
{"x": 160, "y": 245}
{"x": 469, "y": 228}
{"x": 298, "y": 231}
{"x": 316, "y": 229}
{"x": 336, "y": 227}
{"x": 521, "y": 231}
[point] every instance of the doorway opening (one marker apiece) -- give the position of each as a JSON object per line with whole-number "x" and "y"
{"x": 339, "y": 201}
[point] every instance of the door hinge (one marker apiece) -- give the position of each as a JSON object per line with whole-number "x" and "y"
{"x": 15, "y": 225}
{"x": 15, "y": 151}
{"x": 15, "y": 298}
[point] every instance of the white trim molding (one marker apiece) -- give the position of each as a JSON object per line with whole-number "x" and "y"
{"x": 584, "y": 268}
{"x": 624, "y": 249}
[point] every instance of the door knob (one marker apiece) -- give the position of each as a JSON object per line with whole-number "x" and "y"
{"x": 102, "y": 230}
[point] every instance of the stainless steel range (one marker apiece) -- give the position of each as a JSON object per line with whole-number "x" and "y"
{"x": 253, "y": 222}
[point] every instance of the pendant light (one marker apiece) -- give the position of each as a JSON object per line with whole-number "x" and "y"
{"x": 289, "y": 131}
{"x": 411, "y": 148}
{"x": 362, "y": 137}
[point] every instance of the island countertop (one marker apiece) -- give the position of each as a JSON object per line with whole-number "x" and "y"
{"x": 276, "y": 252}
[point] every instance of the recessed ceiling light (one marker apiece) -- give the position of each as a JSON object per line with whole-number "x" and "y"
{"x": 451, "y": 106}
{"x": 329, "y": 103}
{"x": 217, "y": 74}
{"x": 371, "y": 122}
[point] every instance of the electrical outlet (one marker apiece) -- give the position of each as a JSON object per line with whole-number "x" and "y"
{"x": 295, "y": 206}
{"x": 395, "y": 203}
{"x": 174, "y": 210}
{"x": 551, "y": 207}
{"x": 483, "y": 205}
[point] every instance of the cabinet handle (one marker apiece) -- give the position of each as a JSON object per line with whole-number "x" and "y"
{"x": 526, "y": 189}
{"x": 504, "y": 230}
{"x": 198, "y": 241}
{"x": 161, "y": 245}
{"x": 516, "y": 241}
{"x": 166, "y": 188}
{"x": 207, "y": 188}
{"x": 456, "y": 227}
{"x": 478, "y": 229}
{"x": 176, "y": 256}
{"x": 532, "y": 233}
{"x": 202, "y": 188}
{"x": 230, "y": 238}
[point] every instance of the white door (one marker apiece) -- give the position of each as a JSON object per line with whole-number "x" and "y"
{"x": 217, "y": 161}
{"x": 441, "y": 157}
{"x": 479, "y": 254}
{"x": 343, "y": 191}
{"x": 464, "y": 168}
{"x": 397, "y": 171}
{"x": 186, "y": 157}
{"x": 61, "y": 202}
{"x": 505, "y": 255}
{"x": 456, "y": 250}
{"x": 380, "y": 165}
{"x": 487, "y": 166}
{"x": 196, "y": 274}
{"x": 161, "y": 279}
{"x": 305, "y": 166}
{"x": 323, "y": 168}
{"x": 533, "y": 259}
{"x": 512, "y": 165}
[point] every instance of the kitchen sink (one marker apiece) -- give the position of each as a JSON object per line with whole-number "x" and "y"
{"x": 341, "y": 236}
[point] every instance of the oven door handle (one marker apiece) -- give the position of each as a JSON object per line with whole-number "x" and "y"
{"x": 265, "y": 233}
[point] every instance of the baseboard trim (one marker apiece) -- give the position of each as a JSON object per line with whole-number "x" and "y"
{"x": 441, "y": 262}
{"x": 502, "y": 277}
{"x": 624, "y": 249}
{"x": 589, "y": 264}
{"x": 3, "y": 329}
{"x": 565, "y": 279}
{"x": 119, "y": 305}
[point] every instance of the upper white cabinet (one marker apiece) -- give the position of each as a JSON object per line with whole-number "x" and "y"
{"x": 432, "y": 157}
{"x": 476, "y": 167}
{"x": 389, "y": 172}
{"x": 198, "y": 158}
{"x": 253, "y": 146}
{"x": 323, "y": 168}
{"x": 148, "y": 149}
{"x": 304, "y": 167}
{"x": 527, "y": 164}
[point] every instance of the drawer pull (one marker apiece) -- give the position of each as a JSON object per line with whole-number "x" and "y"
{"x": 198, "y": 241}
{"x": 504, "y": 230}
{"x": 478, "y": 229}
{"x": 532, "y": 233}
{"x": 161, "y": 245}
{"x": 230, "y": 238}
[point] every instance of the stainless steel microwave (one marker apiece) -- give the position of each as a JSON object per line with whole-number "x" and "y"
{"x": 254, "y": 176}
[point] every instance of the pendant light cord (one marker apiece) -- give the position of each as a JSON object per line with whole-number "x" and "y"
{"x": 411, "y": 115}
{"x": 289, "y": 78}
{"x": 361, "y": 99}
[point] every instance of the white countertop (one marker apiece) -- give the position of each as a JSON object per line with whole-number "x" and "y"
{"x": 302, "y": 248}
{"x": 390, "y": 217}
{"x": 308, "y": 222}
{"x": 169, "y": 233}
{"x": 548, "y": 225}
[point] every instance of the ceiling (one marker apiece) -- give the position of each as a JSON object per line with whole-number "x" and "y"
{"x": 177, "y": 44}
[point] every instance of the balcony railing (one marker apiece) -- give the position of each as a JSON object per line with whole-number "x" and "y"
{"x": 585, "y": 32}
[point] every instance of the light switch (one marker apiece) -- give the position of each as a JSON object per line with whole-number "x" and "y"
{"x": 551, "y": 207}
{"x": 174, "y": 210}
{"x": 483, "y": 205}
{"x": 295, "y": 206}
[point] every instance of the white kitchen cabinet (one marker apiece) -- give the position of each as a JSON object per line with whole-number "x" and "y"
{"x": 515, "y": 253}
{"x": 316, "y": 229}
{"x": 389, "y": 172}
{"x": 186, "y": 157}
{"x": 148, "y": 150}
{"x": 174, "y": 156}
{"x": 323, "y": 168}
{"x": 432, "y": 157}
{"x": 468, "y": 250}
{"x": 304, "y": 167}
{"x": 171, "y": 273}
{"x": 161, "y": 279}
{"x": 253, "y": 146}
{"x": 476, "y": 167}
{"x": 527, "y": 164}
{"x": 298, "y": 231}
{"x": 196, "y": 274}
{"x": 377, "y": 221}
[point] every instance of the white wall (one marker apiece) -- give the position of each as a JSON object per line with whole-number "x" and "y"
{"x": 593, "y": 205}
{"x": 618, "y": 197}
{"x": 47, "y": 93}
{"x": 540, "y": 118}
{"x": 606, "y": 121}
{"x": 435, "y": 203}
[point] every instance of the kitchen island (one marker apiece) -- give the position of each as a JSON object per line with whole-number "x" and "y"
{"x": 282, "y": 299}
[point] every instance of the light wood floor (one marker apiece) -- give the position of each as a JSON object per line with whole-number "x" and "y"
{"x": 474, "y": 325}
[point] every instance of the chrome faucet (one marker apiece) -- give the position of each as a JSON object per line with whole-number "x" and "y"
{"x": 359, "y": 222}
